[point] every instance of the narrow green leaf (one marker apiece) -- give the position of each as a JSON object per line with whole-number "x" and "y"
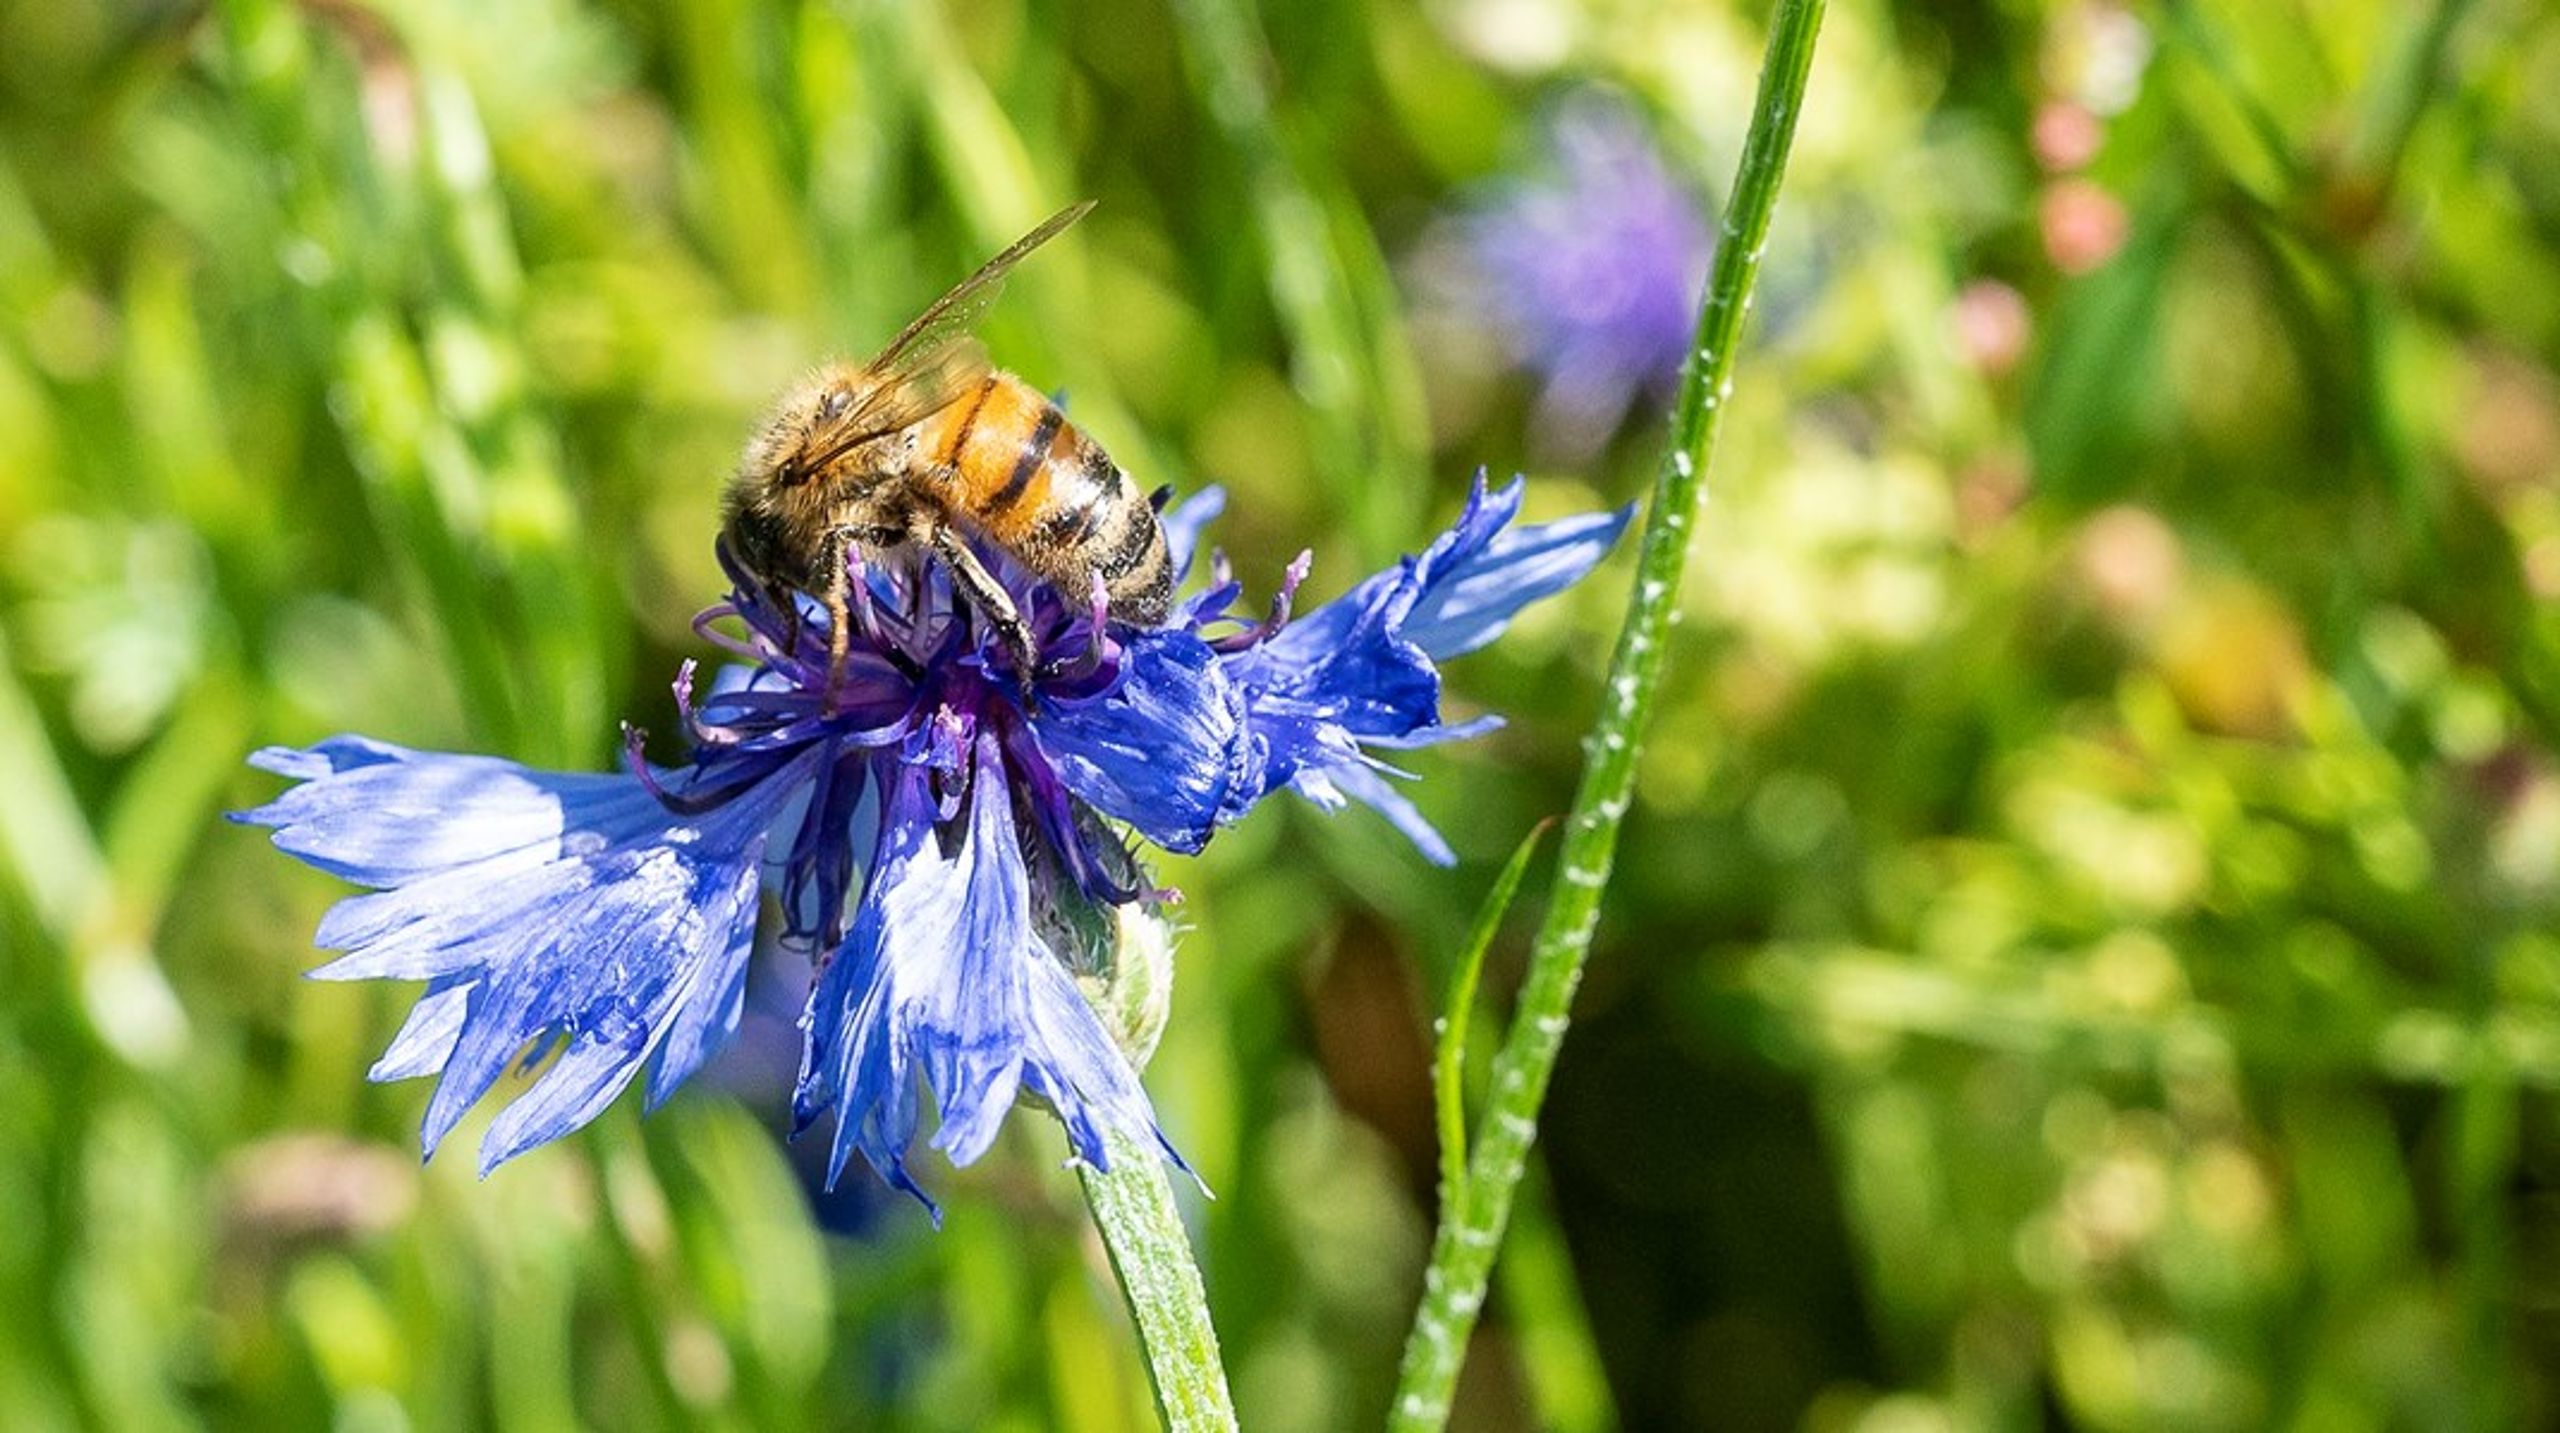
{"x": 1449, "y": 1065}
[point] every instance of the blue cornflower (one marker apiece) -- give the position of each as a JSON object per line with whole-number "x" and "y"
{"x": 1591, "y": 272}
{"x": 936, "y": 825}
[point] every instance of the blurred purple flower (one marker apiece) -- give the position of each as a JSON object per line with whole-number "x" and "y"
{"x": 934, "y": 822}
{"x": 1591, "y": 271}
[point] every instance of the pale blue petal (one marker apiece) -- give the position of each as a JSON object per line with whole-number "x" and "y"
{"x": 1369, "y": 788}
{"x": 856, "y": 1060}
{"x": 715, "y": 994}
{"x": 1081, "y": 1072}
{"x": 543, "y": 909}
{"x": 382, "y": 815}
{"x": 426, "y": 1038}
{"x": 969, "y": 1025}
{"x": 1467, "y": 730}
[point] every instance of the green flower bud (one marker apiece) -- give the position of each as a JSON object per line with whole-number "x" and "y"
{"x": 1134, "y": 993}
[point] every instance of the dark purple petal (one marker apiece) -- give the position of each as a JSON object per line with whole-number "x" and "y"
{"x": 1095, "y": 860}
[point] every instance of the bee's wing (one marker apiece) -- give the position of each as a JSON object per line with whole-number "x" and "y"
{"x": 899, "y": 399}
{"x": 933, "y": 361}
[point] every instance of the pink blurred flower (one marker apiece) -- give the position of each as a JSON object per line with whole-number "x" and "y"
{"x": 2083, "y": 225}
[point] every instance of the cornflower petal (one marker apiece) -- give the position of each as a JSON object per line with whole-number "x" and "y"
{"x": 1164, "y": 750}
{"x": 853, "y": 1060}
{"x": 1362, "y": 783}
{"x": 1360, "y": 670}
{"x": 1465, "y": 588}
{"x": 1185, "y": 521}
{"x": 542, "y": 908}
{"x": 1193, "y": 734}
{"x": 942, "y": 997}
{"x": 381, "y": 815}
{"x": 1470, "y": 599}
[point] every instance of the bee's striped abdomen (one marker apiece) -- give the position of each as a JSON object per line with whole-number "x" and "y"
{"x": 1035, "y": 483}
{"x": 963, "y": 422}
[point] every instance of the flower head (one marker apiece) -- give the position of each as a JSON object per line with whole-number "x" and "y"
{"x": 938, "y": 828}
{"x": 1592, "y": 271}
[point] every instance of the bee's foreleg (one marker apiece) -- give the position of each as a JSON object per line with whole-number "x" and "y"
{"x": 989, "y": 597}
{"x": 778, "y": 597}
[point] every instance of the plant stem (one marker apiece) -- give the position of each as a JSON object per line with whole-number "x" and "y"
{"x": 1151, "y": 1253}
{"x": 1462, "y": 1253}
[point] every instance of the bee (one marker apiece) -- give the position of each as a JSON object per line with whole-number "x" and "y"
{"x": 928, "y": 445}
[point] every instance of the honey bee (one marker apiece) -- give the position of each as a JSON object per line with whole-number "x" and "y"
{"x": 928, "y": 445}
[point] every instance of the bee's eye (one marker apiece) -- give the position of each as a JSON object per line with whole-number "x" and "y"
{"x": 790, "y": 473}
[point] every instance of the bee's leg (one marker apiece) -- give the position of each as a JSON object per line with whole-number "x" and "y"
{"x": 839, "y": 601}
{"x": 780, "y": 596}
{"x": 989, "y": 597}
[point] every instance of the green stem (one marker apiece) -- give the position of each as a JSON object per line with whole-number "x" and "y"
{"x": 1151, "y": 1253}
{"x": 1462, "y": 1253}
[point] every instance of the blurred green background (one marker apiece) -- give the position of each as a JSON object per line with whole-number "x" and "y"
{"x": 2084, "y": 954}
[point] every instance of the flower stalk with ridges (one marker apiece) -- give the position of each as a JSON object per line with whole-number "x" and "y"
{"x": 1151, "y": 1253}
{"x": 1469, "y": 1235}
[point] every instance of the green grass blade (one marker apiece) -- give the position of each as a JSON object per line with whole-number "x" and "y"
{"x": 1364, "y": 407}
{"x": 1449, "y": 1059}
